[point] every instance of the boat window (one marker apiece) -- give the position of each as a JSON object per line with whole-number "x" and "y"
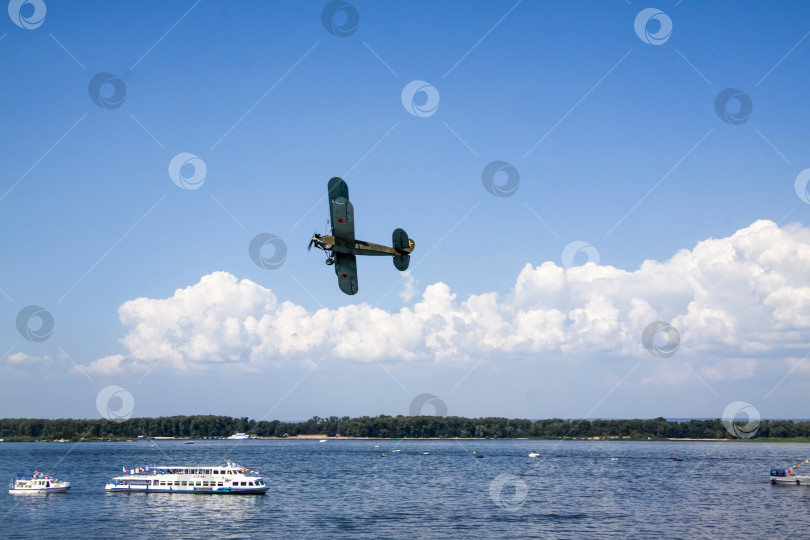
{"x": 216, "y": 471}
{"x": 219, "y": 484}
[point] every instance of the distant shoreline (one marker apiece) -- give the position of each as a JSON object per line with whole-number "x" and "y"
{"x": 423, "y": 427}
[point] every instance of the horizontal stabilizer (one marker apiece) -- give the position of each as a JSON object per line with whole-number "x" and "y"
{"x": 402, "y": 261}
{"x": 401, "y": 242}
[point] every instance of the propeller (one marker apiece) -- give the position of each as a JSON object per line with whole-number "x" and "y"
{"x": 312, "y": 241}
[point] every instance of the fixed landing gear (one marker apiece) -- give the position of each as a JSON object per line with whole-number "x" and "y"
{"x": 330, "y": 261}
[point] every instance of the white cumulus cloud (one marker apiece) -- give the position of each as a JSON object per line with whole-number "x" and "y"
{"x": 734, "y": 299}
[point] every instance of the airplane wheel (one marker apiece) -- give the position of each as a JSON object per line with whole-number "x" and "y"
{"x": 327, "y": 246}
{"x": 330, "y": 262}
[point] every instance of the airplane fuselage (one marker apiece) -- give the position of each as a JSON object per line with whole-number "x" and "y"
{"x": 358, "y": 248}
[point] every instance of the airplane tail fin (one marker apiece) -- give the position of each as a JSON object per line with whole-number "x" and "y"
{"x": 404, "y": 246}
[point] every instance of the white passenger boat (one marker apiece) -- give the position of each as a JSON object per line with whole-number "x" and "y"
{"x": 238, "y": 437}
{"x": 534, "y": 453}
{"x": 228, "y": 478}
{"x": 37, "y": 483}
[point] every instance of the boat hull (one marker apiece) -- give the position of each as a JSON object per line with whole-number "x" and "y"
{"x": 196, "y": 490}
{"x": 38, "y": 491}
{"x": 791, "y": 480}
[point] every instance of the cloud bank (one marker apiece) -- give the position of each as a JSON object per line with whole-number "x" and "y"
{"x": 734, "y": 299}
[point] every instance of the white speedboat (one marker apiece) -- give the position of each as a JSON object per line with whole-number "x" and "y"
{"x": 238, "y": 437}
{"x": 228, "y": 478}
{"x": 534, "y": 453}
{"x": 38, "y": 483}
{"x": 787, "y": 476}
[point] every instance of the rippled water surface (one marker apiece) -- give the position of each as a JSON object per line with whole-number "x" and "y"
{"x": 346, "y": 489}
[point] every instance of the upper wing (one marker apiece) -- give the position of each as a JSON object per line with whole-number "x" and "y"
{"x": 346, "y": 270}
{"x": 342, "y": 221}
{"x": 336, "y": 189}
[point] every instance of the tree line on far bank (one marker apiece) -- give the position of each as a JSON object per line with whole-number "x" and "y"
{"x": 25, "y": 429}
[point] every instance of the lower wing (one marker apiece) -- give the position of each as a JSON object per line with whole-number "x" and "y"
{"x": 346, "y": 270}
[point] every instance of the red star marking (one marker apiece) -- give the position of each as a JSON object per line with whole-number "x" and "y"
{"x": 340, "y": 220}
{"x": 344, "y": 275}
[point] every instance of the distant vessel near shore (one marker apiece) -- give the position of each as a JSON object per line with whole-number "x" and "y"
{"x": 238, "y": 436}
{"x": 225, "y": 479}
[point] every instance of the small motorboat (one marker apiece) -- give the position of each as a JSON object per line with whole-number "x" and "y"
{"x": 37, "y": 483}
{"x": 397, "y": 451}
{"x": 383, "y": 454}
{"x": 787, "y": 476}
{"x": 425, "y": 453}
{"x": 323, "y": 440}
{"x": 614, "y": 459}
{"x": 673, "y": 457}
{"x": 534, "y": 453}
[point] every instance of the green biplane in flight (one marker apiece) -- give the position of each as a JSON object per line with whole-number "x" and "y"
{"x": 341, "y": 246}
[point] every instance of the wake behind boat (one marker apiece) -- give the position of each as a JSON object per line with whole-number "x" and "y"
{"x": 37, "y": 483}
{"x": 226, "y": 479}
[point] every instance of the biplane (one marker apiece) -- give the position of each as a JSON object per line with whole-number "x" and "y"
{"x": 341, "y": 247}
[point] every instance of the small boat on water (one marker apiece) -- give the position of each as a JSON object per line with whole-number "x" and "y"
{"x": 787, "y": 476}
{"x": 189, "y": 442}
{"x": 223, "y": 479}
{"x": 397, "y": 451}
{"x": 323, "y": 440}
{"x": 673, "y": 457}
{"x": 425, "y": 453}
{"x": 238, "y": 437}
{"x": 37, "y": 483}
{"x": 534, "y": 453}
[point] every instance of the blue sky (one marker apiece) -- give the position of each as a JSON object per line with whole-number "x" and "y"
{"x": 616, "y": 142}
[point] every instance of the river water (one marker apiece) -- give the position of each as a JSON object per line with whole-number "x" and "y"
{"x": 344, "y": 488}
